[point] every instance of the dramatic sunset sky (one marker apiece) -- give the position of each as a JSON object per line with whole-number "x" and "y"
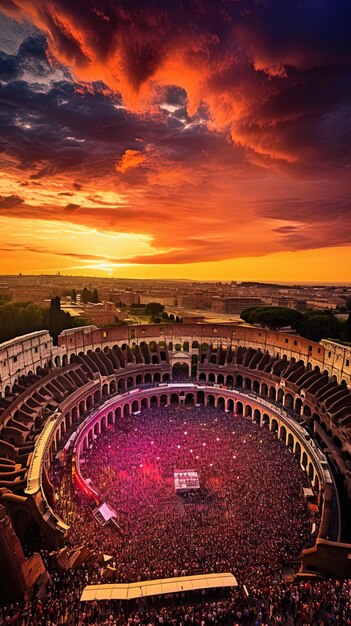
{"x": 206, "y": 139}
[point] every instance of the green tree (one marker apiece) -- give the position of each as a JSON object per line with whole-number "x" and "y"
{"x": 95, "y": 297}
{"x": 154, "y": 308}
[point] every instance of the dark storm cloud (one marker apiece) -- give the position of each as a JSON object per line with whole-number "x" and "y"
{"x": 10, "y": 202}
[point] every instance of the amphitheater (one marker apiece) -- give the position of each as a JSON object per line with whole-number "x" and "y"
{"x": 56, "y": 398}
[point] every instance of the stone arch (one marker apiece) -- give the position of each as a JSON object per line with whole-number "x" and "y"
{"x": 154, "y": 401}
{"x": 298, "y": 450}
{"x": 148, "y": 378}
{"x": 298, "y": 406}
{"x": 130, "y": 382}
{"x": 248, "y": 410}
{"x": 211, "y": 378}
{"x": 118, "y": 412}
{"x": 163, "y": 399}
{"x": 135, "y": 406}
{"x": 174, "y": 398}
{"x": 200, "y": 397}
{"x": 264, "y": 389}
{"x": 239, "y": 408}
{"x": 288, "y": 401}
{"x": 144, "y": 403}
{"x": 221, "y": 403}
{"x": 272, "y": 394}
{"x": 126, "y": 410}
{"x": 57, "y": 361}
{"x": 282, "y": 433}
{"x": 230, "y": 381}
{"x": 165, "y": 378}
{"x": 110, "y": 417}
{"x": 189, "y": 399}
{"x": 154, "y": 359}
{"x": 257, "y": 416}
{"x": 290, "y": 441}
{"x": 307, "y": 410}
{"x": 280, "y": 396}
{"x": 274, "y": 425}
{"x": 310, "y": 471}
{"x": 64, "y": 360}
{"x": 139, "y": 379}
{"x": 105, "y": 390}
{"x": 220, "y": 379}
{"x": 265, "y": 419}
{"x": 239, "y": 381}
{"x": 157, "y": 377}
{"x": 112, "y": 387}
{"x": 248, "y": 383}
{"x": 256, "y": 386}
{"x": 89, "y": 402}
{"x": 202, "y": 376}
{"x": 210, "y": 400}
{"x": 304, "y": 460}
{"x": 180, "y": 370}
{"x": 121, "y": 385}
{"x": 231, "y": 405}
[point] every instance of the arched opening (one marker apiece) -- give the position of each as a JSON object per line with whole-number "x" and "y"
{"x": 230, "y": 381}
{"x": 112, "y": 387}
{"x": 189, "y": 399}
{"x": 97, "y": 397}
{"x": 257, "y": 416}
{"x": 280, "y": 396}
{"x": 165, "y": 378}
{"x": 180, "y": 371}
{"x": 130, "y": 382}
{"x": 147, "y": 378}
{"x": 231, "y": 405}
{"x": 274, "y": 425}
{"x": 298, "y": 450}
{"x": 139, "y": 379}
{"x": 290, "y": 441}
{"x": 304, "y": 460}
{"x": 211, "y": 378}
{"x": 210, "y": 400}
{"x": 154, "y": 359}
{"x": 248, "y": 384}
{"x": 256, "y": 386}
{"x": 126, "y": 410}
{"x": 153, "y": 401}
{"x": 194, "y": 361}
{"x": 57, "y": 361}
{"x": 239, "y": 408}
{"x": 81, "y": 408}
{"x": 105, "y": 390}
{"x": 157, "y": 377}
{"x": 316, "y": 483}
{"x": 220, "y": 379}
{"x": 163, "y": 400}
{"x": 143, "y": 403}
{"x": 200, "y": 398}
{"x": 264, "y": 390}
{"x": 64, "y": 360}
{"x": 221, "y": 403}
{"x": 174, "y": 398}
{"x": 288, "y": 401}
{"x": 298, "y": 406}
{"x": 110, "y": 418}
{"x": 89, "y": 403}
{"x": 310, "y": 472}
{"x": 121, "y": 385}
{"x": 265, "y": 419}
{"x": 239, "y": 381}
{"x": 202, "y": 376}
{"x": 135, "y": 406}
{"x": 118, "y": 412}
{"x": 307, "y": 411}
{"x": 272, "y": 394}
{"x": 248, "y": 411}
{"x": 283, "y": 433}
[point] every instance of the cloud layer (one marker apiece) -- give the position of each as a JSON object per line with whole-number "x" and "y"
{"x": 216, "y": 129}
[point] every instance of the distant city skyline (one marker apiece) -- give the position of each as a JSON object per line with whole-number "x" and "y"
{"x": 199, "y": 140}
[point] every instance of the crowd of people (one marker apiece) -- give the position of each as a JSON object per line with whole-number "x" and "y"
{"x": 249, "y": 517}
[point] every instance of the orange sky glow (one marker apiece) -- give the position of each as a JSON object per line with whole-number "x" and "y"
{"x": 155, "y": 142}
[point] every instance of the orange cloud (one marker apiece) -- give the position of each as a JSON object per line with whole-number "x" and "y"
{"x": 129, "y": 160}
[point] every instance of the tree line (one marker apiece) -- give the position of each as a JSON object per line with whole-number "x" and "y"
{"x": 20, "y": 318}
{"x": 312, "y": 324}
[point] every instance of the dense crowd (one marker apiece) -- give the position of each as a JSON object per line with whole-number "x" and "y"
{"x": 249, "y": 517}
